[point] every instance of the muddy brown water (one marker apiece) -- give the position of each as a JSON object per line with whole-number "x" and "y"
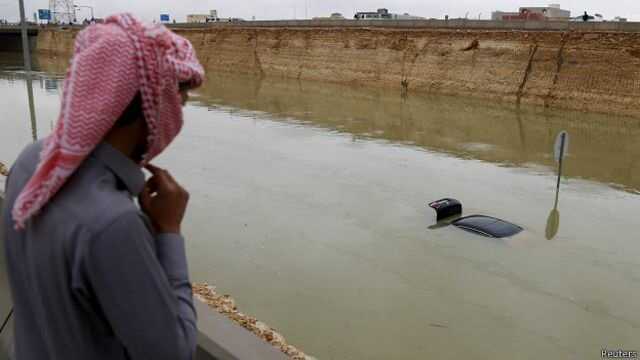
{"x": 309, "y": 207}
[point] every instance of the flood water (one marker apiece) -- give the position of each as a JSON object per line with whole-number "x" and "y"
{"x": 309, "y": 206}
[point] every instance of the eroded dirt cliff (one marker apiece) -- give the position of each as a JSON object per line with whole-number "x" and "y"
{"x": 56, "y": 42}
{"x": 596, "y": 72}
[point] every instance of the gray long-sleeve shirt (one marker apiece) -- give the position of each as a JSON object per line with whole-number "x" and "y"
{"x": 89, "y": 279}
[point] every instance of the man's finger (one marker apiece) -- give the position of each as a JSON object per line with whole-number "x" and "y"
{"x": 145, "y": 197}
{"x": 170, "y": 177}
{"x": 154, "y": 169}
{"x": 159, "y": 171}
{"x": 163, "y": 179}
{"x": 152, "y": 184}
{"x": 165, "y": 176}
{"x": 161, "y": 176}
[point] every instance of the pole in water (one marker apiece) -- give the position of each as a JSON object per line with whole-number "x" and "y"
{"x": 561, "y": 148}
{"x": 26, "y": 53}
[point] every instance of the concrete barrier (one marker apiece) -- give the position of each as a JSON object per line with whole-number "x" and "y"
{"x": 6, "y": 337}
{"x": 220, "y": 338}
{"x": 393, "y": 24}
{"x": 429, "y": 24}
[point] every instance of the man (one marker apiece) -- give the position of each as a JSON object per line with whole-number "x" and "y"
{"x": 93, "y": 276}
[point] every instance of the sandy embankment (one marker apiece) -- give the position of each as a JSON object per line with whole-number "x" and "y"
{"x": 588, "y": 71}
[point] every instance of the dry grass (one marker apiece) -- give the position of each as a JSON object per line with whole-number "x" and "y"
{"x": 4, "y": 171}
{"x": 225, "y": 305}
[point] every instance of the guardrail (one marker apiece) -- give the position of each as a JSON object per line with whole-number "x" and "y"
{"x": 218, "y": 337}
{"x": 453, "y": 24}
{"x": 429, "y": 24}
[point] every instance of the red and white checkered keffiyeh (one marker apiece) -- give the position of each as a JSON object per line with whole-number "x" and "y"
{"x": 112, "y": 62}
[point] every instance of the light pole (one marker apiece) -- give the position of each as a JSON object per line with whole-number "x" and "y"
{"x": 85, "y": 6}
{"x": 26, "y": 53}
{"x": 25, "y": 39}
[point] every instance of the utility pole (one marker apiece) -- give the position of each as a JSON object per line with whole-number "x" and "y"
{"x": 27, "y": 67}
{"x": 25, "y": 39}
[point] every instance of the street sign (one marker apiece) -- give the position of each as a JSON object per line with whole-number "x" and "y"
{"x": 44, "y": 14}
{"x": 164, "y": 17}
{"x": 561, "y": 147}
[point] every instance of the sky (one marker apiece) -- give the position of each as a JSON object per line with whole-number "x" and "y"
{"x": 289, "y": 9}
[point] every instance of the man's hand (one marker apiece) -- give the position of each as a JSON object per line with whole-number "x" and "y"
{"x": 164, "y": 201}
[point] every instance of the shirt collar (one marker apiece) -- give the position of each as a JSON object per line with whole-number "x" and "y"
{"x": 123, "y": 167}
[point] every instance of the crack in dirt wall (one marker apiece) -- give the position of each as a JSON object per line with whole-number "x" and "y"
{"x": 589, "y": 71}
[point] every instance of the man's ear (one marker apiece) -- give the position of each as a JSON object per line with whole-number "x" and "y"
{"x": 132, "y": 113}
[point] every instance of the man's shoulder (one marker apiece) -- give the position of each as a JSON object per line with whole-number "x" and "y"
{"x": 32, "y": 151}
{"x": 98, "y": 205}
{"x": 90, "y": 198}
{"x": 29, "y": 157}
{"x": 124, "y": 220}
{"x": 22, "y": 169}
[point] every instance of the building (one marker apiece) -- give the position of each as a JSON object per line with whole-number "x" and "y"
{"x": 513, "y": 16}
{"x": 551, "y": 12}
{"x": 334, "y": 16}
{"x": 384, "y": 14}
{"x": 381, "y": 14}
{"x": 534, "y": 13}
{"x": 203, "y": 18}
{"x": 197, "y": 18}
{"x": 405, "y": 16}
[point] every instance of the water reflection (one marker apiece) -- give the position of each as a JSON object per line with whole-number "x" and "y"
{"x": 290, "y": 218}
{"x": 553, "y": 221}
{"x": 561, "y": 148}
{"x": 12, "y": 70}
{"x": 604, "y": 147}
{"x": 28, "y": 78}
{"x": 50, "y": 85}
{"x": 32, "y": 110}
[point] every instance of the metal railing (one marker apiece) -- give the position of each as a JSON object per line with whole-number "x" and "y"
{"x": 453, "y": 24}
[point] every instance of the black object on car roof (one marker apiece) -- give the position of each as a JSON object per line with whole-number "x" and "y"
{"x": 451, "y": 209}
{"x": 446, "y": 208}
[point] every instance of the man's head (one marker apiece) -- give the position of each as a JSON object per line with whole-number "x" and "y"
{"x": 126, "y": 85}
{"x": 130, "y": 132}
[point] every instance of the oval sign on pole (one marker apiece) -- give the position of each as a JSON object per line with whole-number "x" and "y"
{"x": 561, "y": 148}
